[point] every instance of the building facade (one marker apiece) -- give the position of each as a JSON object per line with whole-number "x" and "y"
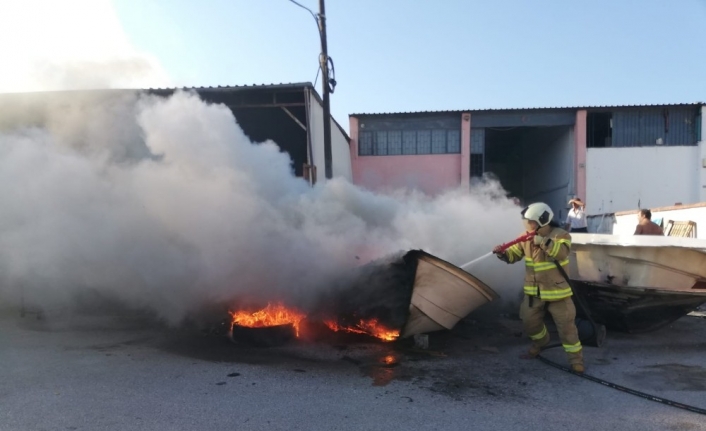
{"x": 615, "y": 158}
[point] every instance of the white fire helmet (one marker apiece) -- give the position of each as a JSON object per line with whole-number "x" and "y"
{"x": 538, "y": 212}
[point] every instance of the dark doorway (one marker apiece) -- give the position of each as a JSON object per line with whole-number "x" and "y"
{"x": 532, "y": 163}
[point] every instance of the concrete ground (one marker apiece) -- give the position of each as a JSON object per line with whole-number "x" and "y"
{"x": 118, "y": 373}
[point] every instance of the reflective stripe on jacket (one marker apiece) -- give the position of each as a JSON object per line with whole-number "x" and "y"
{"x": 542, "y": 278}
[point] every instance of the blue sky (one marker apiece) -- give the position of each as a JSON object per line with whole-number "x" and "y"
{"x": 397, "y": 55}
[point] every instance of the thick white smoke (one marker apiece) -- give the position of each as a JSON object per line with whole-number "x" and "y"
{"x": 166, "y": 204}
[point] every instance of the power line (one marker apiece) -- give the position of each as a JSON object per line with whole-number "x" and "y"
{"x": 315, "y": 16}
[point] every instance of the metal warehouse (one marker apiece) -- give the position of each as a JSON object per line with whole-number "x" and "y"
{"x": 616, "y": 158}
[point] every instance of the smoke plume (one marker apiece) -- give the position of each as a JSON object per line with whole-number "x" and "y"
{"x": 164, "y": 203}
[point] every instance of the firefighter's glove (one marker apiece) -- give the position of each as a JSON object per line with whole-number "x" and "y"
{"x": 501, "y": 254}
{"x": 503, "y": 257}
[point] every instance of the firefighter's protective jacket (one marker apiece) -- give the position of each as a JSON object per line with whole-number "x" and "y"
{"x": 542, "y": 278}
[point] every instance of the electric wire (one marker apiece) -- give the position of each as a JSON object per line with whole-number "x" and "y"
{"x": 314, "y": 15}
{"x": 329, "y": 64}
{"x": 316, "y": 79}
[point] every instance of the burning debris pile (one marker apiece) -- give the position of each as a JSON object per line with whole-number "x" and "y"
{"x": 386, "y": 299}
{"x": 367, "y": 327}
{"x": 277, "y": 324}
{"x": 272, "y": 315}
{"x": 272, "y": 325}
{"x": 372, "y": 300}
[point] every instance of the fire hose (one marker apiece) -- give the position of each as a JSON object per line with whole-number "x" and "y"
{"x": 522, "y": 238}
{"x": 595, "y": 340}
{"x": 621, "y": 388}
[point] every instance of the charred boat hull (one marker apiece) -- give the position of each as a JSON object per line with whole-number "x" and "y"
{"x": 635, "y": 310}
{"x": 638, "y": 284}
{"x": 414, "y": 292}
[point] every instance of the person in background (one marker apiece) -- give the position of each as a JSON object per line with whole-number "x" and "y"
{"x": 576, "y": 218}
{"x": 645, "y": 225}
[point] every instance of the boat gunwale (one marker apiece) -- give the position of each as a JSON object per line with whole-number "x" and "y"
{"x": 640, "y": 289}
{"x": 697, "y": 245}
{"x": 476, "y": 283}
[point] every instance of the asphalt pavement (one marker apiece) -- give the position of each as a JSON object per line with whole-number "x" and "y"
{"x": 122, "y": 372}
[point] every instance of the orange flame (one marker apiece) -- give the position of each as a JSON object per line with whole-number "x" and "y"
{"x": 272, "y": 315}
{"x": 368, "y": 327}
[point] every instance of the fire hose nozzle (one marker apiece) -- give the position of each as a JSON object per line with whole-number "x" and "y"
{"x": 522, "y": 238}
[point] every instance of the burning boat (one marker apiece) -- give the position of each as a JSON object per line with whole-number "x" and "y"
{"x": 397, "y": 297}
{"x": 638, "y": 283}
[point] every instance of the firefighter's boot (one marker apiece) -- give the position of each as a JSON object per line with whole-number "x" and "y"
{"x": 578, "y": 368}
{"x": 537, "y": 344}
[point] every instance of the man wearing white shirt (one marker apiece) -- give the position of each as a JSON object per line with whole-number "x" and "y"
{"x": 576, "y": 219}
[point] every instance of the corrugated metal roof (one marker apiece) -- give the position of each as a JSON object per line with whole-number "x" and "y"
{"x": 536, "y": 108}
{"x": 282, "y": 85}
{"x": 279, "y": 86}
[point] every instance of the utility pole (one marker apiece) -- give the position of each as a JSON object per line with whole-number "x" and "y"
{"x": 323, "y": 61}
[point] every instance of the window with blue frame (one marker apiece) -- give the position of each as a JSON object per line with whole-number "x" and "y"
{"x": 644, "y": 127}
{"x": 477, "y": 152}
{"x": 409, "y": 142}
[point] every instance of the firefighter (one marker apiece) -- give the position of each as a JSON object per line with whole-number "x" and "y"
{"x": 545, "y": 287}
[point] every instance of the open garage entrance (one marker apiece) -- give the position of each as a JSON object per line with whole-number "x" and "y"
{"x": 532, "y": 163}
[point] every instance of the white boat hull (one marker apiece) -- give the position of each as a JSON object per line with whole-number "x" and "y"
{"x": 638, "y": 283}
{"x": 666, "y": 264}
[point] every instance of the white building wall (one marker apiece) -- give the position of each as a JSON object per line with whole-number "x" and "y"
{"x": 340, "y": 152}
{"x": 618, "y": 179}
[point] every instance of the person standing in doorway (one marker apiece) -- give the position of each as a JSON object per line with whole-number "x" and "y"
{"x": 576, "y": 218}
{"x": 645, "y": 225}
{"x": 545, "y": 287}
